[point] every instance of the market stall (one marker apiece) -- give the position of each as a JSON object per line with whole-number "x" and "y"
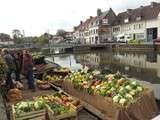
{"x": 114, "y": 96}
{"x": 54, "y": 76}
{"x": 55, "y": 106}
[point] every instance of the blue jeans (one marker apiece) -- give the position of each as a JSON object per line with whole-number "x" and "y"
{"x": 17, "y": 74}
{"x": 30, "y": 79}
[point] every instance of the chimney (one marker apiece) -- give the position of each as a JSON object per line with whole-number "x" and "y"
{"x": 81, "y": 22}
{"x": 129, "y": 11}
{"x": 141, "y": 6}
{"x": 99, "y": 12}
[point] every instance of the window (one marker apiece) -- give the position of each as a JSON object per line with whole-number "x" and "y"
{"x": 116, "y": 29}
{"x": 140, "y": 36}
{"x": 96, "y": 31}
{"x": 92, "y": 39}
{"x": 122, "y": 37}
{"x": 138, "y": 26}
{"x": 104, "y": 21}
{"x": 138, "y": 18}
{"x": 126, "y": 20}
{"x": 134, "y": 27}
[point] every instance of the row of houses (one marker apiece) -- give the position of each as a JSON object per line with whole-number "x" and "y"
{"x": 142, "y": 23}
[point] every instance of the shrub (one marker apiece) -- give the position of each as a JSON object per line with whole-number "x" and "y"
{"x": 134, "y": 41}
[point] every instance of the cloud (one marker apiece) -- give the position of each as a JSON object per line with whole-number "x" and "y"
{"x": 38, "y": 16}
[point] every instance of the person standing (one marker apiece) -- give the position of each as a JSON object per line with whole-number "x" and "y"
{"x": 28, "y": 69}
{"x": 16, "y": 56}
{"x": 10, "y": 68}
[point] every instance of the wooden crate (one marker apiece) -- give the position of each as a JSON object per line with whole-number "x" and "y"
{"x": 143, "y": 108}
{"x": 34, "y": 115}
{"x": 72, "y": 114}
{"x": 77, "y": 108}
{"x": 57, "y": 83}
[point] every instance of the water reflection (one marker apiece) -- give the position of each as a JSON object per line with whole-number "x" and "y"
{"x": 142, "y": 66}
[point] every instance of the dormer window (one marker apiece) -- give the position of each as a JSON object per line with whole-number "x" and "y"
{"x": 104, "y": 21}
{"x": 138, "y": 18}
{"x": 126, "y": 20}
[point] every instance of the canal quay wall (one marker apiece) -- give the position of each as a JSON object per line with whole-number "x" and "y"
{"x": 116, "y": 47}
{"x": 106, "y": 46}
{"x": 134, "y": 47}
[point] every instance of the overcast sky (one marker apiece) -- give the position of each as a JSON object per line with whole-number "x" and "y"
{"x": 38, "y": 16}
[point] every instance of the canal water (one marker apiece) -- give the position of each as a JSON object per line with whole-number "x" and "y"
{"x": 144, "y": 66}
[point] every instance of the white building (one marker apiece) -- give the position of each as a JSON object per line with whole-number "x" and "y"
{"x": 93, "y": 32}
{"x": 142, "y": 23}
{"x": 97, "y": 29}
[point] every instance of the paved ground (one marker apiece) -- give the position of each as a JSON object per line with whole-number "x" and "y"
{"x": 3, "y": 115}
{"x": 84, "y": 115}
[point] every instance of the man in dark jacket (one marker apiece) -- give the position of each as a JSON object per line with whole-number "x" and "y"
{"x": 10, "y": 67}
{"x": 17, "y": 63}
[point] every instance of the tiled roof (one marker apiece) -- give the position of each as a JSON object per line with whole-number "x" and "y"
{"x": 99, "y": 18}
{"x": 145, "y": 12}
{"x": 84, "y": 25}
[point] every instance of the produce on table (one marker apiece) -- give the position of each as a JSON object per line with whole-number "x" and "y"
{"x": 43, "y": 85}
{"x": 59, "y": 109}
{"x": 114, "y": 86}
{"x": 29, "y": 106}
{"x": 38, "y": 58}
{"x": 37, "y": 55}
{"x": 41, "y": 82}
{"x": 53, "y": 78}
{"x": 46, "y": 98}
{"x": 80, "y": 79}
{"x": 59, "y": 103}
{"x": 60, "y": 98}
{"x": 62, "y": 70}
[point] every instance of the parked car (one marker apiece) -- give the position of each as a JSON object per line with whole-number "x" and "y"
{"x": 156, "y": 40}
{"x": 123, "y": 38}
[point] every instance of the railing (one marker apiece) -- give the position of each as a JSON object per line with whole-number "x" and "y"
{"x": 60, "y": 45}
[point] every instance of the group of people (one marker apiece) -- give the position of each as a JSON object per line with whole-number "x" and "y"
{"x": 17, "y": 63}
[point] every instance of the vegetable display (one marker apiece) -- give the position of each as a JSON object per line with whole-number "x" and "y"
{"x": 59, "y": 109}
{"x": 60, "y": 98}
{"x": 38, "y": 58}
{"x": 120, "y": 89}
{"x": 37, "y": 55}
{"x": 52, "y": 78}
{"x": 28, "y": 106}
{"x": 59, "y": 103}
